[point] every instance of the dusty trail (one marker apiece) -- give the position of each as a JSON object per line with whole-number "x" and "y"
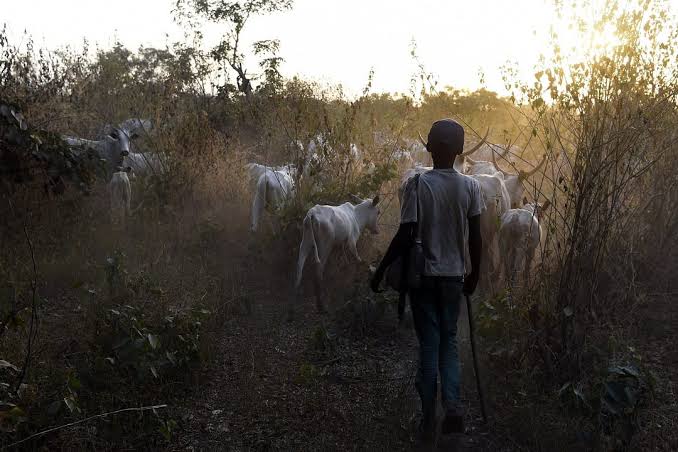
{"x": 342, "y": 381}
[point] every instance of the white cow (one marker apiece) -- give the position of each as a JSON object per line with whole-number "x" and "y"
{"x": 326, "y": 227}
{"x": 273, "y": 190}
{"x": 473, "y": 166}
{"x": 146, "y": 163}
{"x": 113, "y": 147}
{"x": 120, "y": 192}
{"x": 256, "y": 170}
{"x": 136, "y": 126}
{"x": 497, "y": 203}
{"x": 409, "y": 174}
{"x": 519, "y": 238}
{"x": 403, "y": 158}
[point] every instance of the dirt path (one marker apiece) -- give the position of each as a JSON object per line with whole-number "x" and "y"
{"x": 657, "y": 332}
{"x": 342, "y": 381}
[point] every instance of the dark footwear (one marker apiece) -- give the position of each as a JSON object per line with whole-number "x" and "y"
{"x": 426, "y": 436}
{"x": 453, "y": 423}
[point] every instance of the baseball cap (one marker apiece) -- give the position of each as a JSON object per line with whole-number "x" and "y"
{"x": 449, "y": 132}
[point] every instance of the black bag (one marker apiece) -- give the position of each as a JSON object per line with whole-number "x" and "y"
{"x": 406, "y": 271}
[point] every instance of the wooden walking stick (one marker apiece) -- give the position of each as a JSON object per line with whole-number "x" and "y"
{"x": 469, "y": 309}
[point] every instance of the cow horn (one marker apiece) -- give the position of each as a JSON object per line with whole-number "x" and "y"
{"x": 355, "y": 198}
{"x": 477, "y": 146}
{"x": 525, "y": 174}
{"x": 422, "y": 139}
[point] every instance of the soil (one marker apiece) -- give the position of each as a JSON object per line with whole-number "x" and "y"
{"x": 337, "y": 381}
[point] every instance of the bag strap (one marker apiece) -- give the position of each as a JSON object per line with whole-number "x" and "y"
{"x": 417, "y": 234}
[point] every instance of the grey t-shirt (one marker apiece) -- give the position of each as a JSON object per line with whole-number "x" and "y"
{"x": 447, "y": 199}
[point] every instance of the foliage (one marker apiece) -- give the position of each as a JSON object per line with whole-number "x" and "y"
{"x": 11, "y": 414}
{"x": 228, "y": 53}
{"x": 308, "y": 373}
{"x": 603, "y": 123}
{"x": 141, "y": 349}
{"x": 611, "y": 403}
{"x": 27, "y": 154}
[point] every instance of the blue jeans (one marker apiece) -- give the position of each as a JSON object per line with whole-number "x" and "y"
{"x": 435, "y": 309}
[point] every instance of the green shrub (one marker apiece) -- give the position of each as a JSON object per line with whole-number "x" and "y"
{"x": 141, "y": 348}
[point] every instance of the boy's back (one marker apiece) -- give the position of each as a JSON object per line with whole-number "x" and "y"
{"x": 446, "y": 200}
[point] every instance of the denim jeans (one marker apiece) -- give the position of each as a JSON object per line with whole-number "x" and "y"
{"x": 435, "y": 309}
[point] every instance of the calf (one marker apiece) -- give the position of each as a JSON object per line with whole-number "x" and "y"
{"x": 120, "y": 192}
{"x": 519, "y": 238}
{"x": 326, "y": 227}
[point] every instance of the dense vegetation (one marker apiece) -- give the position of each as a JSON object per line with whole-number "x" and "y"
{"x": 95, "y": 319}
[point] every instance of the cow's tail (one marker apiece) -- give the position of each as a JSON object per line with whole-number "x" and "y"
{"x": 308, "y": 244}
{"x": 258, "y": 203}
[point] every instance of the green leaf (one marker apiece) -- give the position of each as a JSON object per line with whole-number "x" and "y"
{"x": 122, "y": 343}
{"x": 54, "y": 407}
{"x": 73, "y": 382}
{"x": 7, "y": 365}
{"x": 579, "y": 393}
{"x": 111, "y": 360}
{"x": 10, "y": 416}
{"x": 78, "y": 284}
{"x": 563, "y": 388}
{"x": 631, "y": 370}
{"x": 153, "y": 340}
{"x": 71, "y": 404}
{"x": 16, "y": 413}
{"x": 154, "y": 372}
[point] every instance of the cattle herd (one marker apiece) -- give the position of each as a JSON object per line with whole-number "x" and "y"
{"x": 509, "y": 225}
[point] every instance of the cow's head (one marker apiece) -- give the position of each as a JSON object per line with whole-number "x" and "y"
{"x": 514, "y": 187}
{"x": 514, "y": 182}
{"x": 117, "y": 143}
{"x": 367, "y": 212}
{"x": 536, "y": 207}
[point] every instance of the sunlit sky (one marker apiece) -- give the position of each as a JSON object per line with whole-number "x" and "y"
{"x": 336, "y": 41}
